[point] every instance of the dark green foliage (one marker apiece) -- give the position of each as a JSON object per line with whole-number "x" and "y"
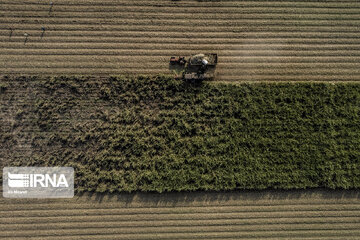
{"x": 3, "y": 87}
{"x": 161, "y": 134}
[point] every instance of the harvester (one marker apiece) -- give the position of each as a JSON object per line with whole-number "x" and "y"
{"x": 198, "y": 67}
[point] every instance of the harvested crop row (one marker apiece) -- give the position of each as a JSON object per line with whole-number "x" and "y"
{"x": 118, "y": 234}
{"x": 167, "y": 52}
{"x": 213, "y": 225}
{"x": 190, "y": 3}
{"x": 186, "y": 2}
{"x": 189, "y": 26}
{"x": 184, "y": 46}
{"x": 234, "y": 34}
{"x": 158, "y": 63}
{"x": 256, "y": 72}
{"x": 76, "y": 32}
{"x": 222, "y": 18}
{"x": 77, "y": 71}
{"x": 183, "y": 216}
{"x": 329, "y": 221}
{"x": 157, "y": 237}
{"x": 182, "y": 7}
{"x": 226, "y": 62}
{"x": 237, "y": 229}
{"x": 284, "y": 13}
{"x": 111, "y": 210}
{"x": 181, "y": 233}
{"x": 52, "y": 38}
{"x": 113, "y": 221}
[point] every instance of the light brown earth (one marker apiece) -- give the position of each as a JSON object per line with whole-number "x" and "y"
{"x": 255, "y": 40}
{"x": 303, "y": 214}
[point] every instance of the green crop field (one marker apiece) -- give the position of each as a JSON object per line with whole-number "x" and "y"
{"x": 161, "y": 134}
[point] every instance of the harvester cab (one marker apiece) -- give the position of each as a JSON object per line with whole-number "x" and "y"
{"x": 203, "y": 67}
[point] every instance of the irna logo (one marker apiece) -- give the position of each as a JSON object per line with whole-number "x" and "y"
{"x": 38, "y": 182}
{"x": 16, "y": 180}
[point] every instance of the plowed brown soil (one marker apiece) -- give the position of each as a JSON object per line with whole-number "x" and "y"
{"x": 255, "y": 40}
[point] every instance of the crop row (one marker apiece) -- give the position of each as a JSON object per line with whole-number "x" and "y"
{"x": 93, "y": 220}
{"x": 167, "y": 52}
{"x": 276, "y": 73}
{"x": 221, "y": 18}
{"x": 344, "y": 210}
{"x": 282, "y": 13}
{"x": 179, "y": 46}
{"x": 183, "y": 7}
{"x": 226, "y": 61}
{"x": 240, "y": 32}
{"x": 293, "y": 34}
{"x": 192, "y": 236}
{"x": 188, "y": 3}
{"x": 238, "y": 230}
{"x": 139, "y": 216}
{"x": 301, "y": 42}
{"x": 163, "y": 33}
{"x": 188, "y": 26}
{"x": 117, "y": 234}
{"x": 260, "y": 67}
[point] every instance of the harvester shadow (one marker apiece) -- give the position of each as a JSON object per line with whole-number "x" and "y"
{"x": 209, "y": 0}
{"x": 176, "y": 68}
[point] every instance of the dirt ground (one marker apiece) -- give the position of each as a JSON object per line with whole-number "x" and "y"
{"x": 255, "y": 40}
{"x": 271, "y": 214}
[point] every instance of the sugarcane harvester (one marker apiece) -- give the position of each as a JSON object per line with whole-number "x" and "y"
{"x": 198, "y": 67}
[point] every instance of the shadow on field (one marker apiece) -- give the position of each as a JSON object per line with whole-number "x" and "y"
{"x": 194, "y": 199}
{"x": 214, "y": 198}
{"x": 176, "y": 68}
{"x": 208, "y": 0}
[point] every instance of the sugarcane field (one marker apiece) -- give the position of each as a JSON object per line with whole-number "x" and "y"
{"x": 180, "y": 119}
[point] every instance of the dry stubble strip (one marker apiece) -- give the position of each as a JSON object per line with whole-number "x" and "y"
{"x": 118, "y": 234}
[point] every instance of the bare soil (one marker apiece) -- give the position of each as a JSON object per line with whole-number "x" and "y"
{"x": 297, "y": 214}
{"x": 255, "y": 40}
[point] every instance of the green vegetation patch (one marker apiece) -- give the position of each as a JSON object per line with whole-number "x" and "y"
{"x": 161, "y": 134}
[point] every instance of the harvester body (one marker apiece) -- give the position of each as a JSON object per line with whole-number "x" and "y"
{"x": 201, "y": 67}
{"x": 198, "y": 67}
{"x": 209, "y": 59}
